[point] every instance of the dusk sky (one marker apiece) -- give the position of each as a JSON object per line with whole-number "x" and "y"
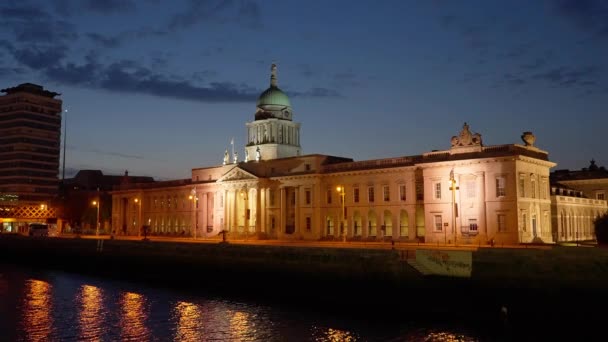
{"x": 160, "y": 87}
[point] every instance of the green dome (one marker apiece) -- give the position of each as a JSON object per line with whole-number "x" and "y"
{"x": 273, "y": 96}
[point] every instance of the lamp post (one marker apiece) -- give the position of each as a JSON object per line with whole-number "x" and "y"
{"x": 96, "y": 203}
{"x": 194, "y": 200}
{"x": 454, "y": 187}
{"x": 139, "y": 223}
{"x": 343, "y": 231}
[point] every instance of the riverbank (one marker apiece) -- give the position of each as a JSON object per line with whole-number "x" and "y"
{"x": 548, "y": 286}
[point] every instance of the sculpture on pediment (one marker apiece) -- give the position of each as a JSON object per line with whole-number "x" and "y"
{"x": 466, "y": 138}
{"x": 225, "y": 158}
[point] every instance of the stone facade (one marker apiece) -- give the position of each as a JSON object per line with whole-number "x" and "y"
{"x": 467, "y": 194}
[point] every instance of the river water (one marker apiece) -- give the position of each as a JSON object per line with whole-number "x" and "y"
{"x": 50, "y": 305}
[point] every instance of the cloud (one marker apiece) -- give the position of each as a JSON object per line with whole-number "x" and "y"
{"x": 31, "y": 24}
{"x": 315, "y": 92}
{"x": 109, "y": 6}
{"x": 39, "y": 57}
{"x": 587, "y": 15}
{"x": 569, "y": 76}
{"x": 105, "y": 41}
{"x": 244, "y": 12}
{"x": 70, "y": 7}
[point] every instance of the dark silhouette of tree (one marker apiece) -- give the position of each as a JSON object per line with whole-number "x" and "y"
{"x": 601, "y": 229}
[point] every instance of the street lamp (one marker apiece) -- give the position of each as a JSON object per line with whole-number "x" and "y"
{"x": 454, "y": 187}
{"x": 343, "y": 231}
{"x": 138, "y": 203}
{"x": 194, "y": 200}
{"x": 96, "y": 203}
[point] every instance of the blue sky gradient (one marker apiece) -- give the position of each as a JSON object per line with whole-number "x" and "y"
{"x": 159, "y": 87}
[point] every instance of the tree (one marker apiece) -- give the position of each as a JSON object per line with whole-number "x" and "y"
{"x": 601, "y": 229}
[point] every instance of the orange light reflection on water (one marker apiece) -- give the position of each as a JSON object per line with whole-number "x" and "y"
{"x": 336, "y": 335}
{"x": 90, "y": 316}
{"x": 189, "y": 322}
{"x": 37, "y": 310}
{"x": 133, "y": 318}
{"x": 240, "y": 327}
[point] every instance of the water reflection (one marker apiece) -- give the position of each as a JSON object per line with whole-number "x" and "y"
{"x": 240, "y": 327}
{"x": 37, "y": 308}
{"x": 92, "y": 313}
{"x": 189, "y": 322}
{"x": 133, "y": 318}
{"x": 331, "y": 334}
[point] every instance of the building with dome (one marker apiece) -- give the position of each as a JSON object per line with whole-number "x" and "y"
{"x": 468, "y": 193}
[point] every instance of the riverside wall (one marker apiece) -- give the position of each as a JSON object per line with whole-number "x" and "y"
{"x": 549, "y": 284}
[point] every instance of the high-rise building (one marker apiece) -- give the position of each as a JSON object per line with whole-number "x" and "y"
{"x": 30, "y": 133}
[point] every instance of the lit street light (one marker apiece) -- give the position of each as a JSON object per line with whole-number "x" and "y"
{"x": 454, "y": 187}
{"x": 194, "y": 200}
{"x": 139, "y": 223}
{"x": 96, "y": 203}
{"x": 343, "y": 231}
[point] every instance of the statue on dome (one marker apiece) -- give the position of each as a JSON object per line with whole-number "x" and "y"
{"x": 273, "y": 75}
{"x": 257, "y": 154}
{"x": 225, "y": 158}
{"x": 235, "y": 157}
{"x": 246, "y": 155}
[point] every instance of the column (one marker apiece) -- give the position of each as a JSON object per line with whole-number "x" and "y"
{"x": 411, "y": 217}
{"x": 282, "y": 210}
{"x": 481, "y": 192}
{"x": 205, "y": 223}
{"x": 262, "y": 212}
{"x": 297, "y": 210}
{"x": 233, "y": 218}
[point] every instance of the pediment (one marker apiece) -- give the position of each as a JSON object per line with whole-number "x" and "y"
{"x": 237, "y": 174}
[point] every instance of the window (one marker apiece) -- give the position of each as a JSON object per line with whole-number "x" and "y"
{"x": 544, "y": 189}
{"x": 271, "y": 197}
{"x": 293, "y": 198}
{"x": 386, "y": 193}
{"x": 524, "y": 220}
{"x": 473, "y": 225}
{"x": 500, "y": 187}
{"x": 307, "y": 167}
{"x": 356, "y": 195}
{"x": 438, "y": 190}
{"x": 328, "y": 196}
{"x": 308, "y": 223}
{"x": 370, "y": 194}
{"x": 307, "y": 196}
{"x": 471, "y": 189}
{"x": 402, "y": 195}
{"x": 221, "y": 200}
{"x": 522, "y": 186}
{"x": 438, "y": 223}
{"x": 502, "y": 222}
{"x": 600, "y": 195}
{"x": 272, "y": 223}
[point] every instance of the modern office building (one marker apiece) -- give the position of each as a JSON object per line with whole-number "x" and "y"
{"x": 30, "y": 132}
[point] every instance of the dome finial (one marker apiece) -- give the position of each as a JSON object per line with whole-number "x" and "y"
{"x": 273, "y": 75}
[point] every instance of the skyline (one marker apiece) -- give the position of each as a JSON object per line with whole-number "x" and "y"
{"x": 142, "y": 94}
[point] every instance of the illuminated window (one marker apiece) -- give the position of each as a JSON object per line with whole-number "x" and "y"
{"x": 356, "y": 195}
{"x": 522, "y": 186}
{"x": 502, "y": 222}
{"x": 524, "y": 220}
{"x": 473, "y": 224}
{"x": 438, "y": 223}
{"x": 386, "y": 193}
{"x": 402, "y": 193}
{"x": 308, "y": 198}
{"x": 370, "y": 194}
{"x": 438, "y": 190}
{"x": 500, "y": 187}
